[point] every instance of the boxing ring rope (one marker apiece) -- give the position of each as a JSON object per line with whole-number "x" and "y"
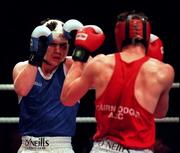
{"x": 90, "y": 120}
{"x": 9, "y": 87}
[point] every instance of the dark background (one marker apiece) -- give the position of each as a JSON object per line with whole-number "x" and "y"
{"x": 19, "y": 18}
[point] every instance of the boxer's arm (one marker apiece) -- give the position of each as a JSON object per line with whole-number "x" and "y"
{"x": 23, "y": 77}
{"x": 79, "y": 78}
{"x": 24, "y": 73}
{"x": 166, "y": 79}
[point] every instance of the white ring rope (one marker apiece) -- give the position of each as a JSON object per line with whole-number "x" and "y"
{"x": 6, "y": 87}
{"x": 11, "y": 86}
{"x": 90, "y": 120}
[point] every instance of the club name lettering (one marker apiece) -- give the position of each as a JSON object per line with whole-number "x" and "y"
{"x": 118, "y": 112}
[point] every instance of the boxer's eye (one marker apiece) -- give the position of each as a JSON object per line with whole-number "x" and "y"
{"x": 60, "y": 45}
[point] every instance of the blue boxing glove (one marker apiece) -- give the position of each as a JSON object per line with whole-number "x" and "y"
{"x": 71, "y": 25}
{"x": 40, "y": 39}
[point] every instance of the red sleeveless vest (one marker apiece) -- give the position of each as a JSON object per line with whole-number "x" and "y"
{"x": 119, "y": 116}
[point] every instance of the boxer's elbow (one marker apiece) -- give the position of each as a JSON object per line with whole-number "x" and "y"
{"x": 21, "y": 90}
{"x": 160, "y": 114}
{"x": 66, "y": 100}
{"x": 21, "y": 93}
{"x": 162, "y": 106}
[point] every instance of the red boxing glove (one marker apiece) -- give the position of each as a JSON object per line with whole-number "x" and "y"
{"x": 155, "y": 49}
{"x": 87, "y": 40}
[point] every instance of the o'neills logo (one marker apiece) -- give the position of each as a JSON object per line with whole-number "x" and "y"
{"x": 40, "y": 144}
{"x": 106, "y": 144}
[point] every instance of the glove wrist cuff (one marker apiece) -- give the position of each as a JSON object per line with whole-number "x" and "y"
{"x": 80, "y": 54}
